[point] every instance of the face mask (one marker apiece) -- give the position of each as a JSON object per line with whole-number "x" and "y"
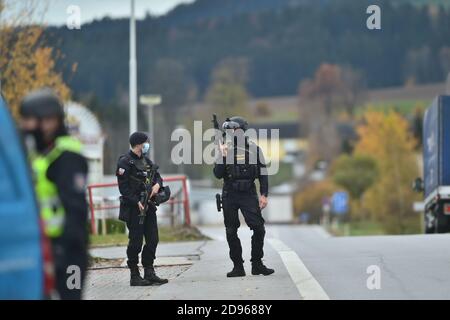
{"x": 34, "y": 140}
{"x": 146, "y": 148}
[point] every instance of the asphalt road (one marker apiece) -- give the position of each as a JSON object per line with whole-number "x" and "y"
{"x": 405, "y": 267}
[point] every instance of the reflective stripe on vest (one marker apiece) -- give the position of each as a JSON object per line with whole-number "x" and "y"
{"x": 52, "y": 210}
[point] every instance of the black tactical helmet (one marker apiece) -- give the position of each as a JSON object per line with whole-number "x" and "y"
{"x": 236, "y": 123}
{"x": 41, "y": 103}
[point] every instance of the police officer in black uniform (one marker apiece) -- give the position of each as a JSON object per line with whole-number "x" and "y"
{"x": 133, "y": 169}
{"x": 60, "y": 175}
{"x": 242, "y": 162}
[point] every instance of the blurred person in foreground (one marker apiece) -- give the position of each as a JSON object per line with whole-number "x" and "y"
{"x": 60, "y": 176}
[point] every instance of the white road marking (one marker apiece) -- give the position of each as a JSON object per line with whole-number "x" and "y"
{"x": 322, "y": 232}
{"x": 306, "y": 284}
{"x": 274, "y": 231}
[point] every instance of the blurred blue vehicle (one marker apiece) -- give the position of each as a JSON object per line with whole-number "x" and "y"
{"x": 25, "y": 259}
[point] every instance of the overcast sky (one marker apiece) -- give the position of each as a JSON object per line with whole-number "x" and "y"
{"x": 91, "y": 9}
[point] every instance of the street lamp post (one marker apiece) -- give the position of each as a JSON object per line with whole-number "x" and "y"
{"x": 133, "y": 72}
{"x": 150, "y": 101}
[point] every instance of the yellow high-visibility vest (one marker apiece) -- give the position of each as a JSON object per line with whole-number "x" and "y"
{"x": 51, "y": 208}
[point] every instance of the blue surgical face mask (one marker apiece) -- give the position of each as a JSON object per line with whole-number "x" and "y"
{"x": 146, "y": 148}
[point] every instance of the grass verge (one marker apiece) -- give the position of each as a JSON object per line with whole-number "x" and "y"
{"x": 364, "y": 228}
{"x": 166, "y": 234}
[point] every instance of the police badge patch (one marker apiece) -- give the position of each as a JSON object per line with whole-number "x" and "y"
{"x": 80, "y": 182}
{"x": 121, "y": 171}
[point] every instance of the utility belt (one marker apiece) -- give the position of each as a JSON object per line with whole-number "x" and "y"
{"x": 240, "y": 185}
{"x": 242, "y": 171}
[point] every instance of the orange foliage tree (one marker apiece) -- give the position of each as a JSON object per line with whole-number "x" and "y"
{"x": 25, "y": 63}
{"x": 332, "y": 90}
{"x": 311, "y": 198}
{"x": 387, "y": 138}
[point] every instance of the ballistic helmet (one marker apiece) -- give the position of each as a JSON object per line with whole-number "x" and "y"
{"x": 41, "y": 103}
{"x": 163, "y": 195}
{"x": 235, "y": 123}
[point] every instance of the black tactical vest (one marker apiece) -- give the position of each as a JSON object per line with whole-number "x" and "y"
{"x": 245, "y": 166}
{"x": 139, "y": 171}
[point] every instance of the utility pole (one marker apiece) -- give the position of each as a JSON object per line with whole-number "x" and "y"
{"x": 133, "y": 72}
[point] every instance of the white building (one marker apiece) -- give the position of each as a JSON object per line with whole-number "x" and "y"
{"x": 84, "y": 125}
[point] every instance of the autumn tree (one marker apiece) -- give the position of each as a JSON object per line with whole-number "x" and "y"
{"x": 169, "y": 80}
{"x": 332, "y": 89}
{"x": 325, "y": 87}
{"x": 227, "y": 93}
{"x": 315, "y": 116}
{"x": 25, "y": 62}
{"x": 354, "y": 89}
{"x": 355, "y": 173}
{"x": 311, "y": 198}
{"x": 387, "y": 138}
{"x": 262, "y": 109}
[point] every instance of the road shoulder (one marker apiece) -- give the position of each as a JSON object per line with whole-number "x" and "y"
{"x": 206, "y": 279}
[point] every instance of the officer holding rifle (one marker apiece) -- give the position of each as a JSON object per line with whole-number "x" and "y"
{"x": 240, "y": 164}
{"x": 141, "y": 188}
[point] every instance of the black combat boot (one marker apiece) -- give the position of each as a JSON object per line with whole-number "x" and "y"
{"x": 238, "y": 270}
{"x": 259, "y": 268}
{"x": 136, "y": 280}
{"x": 150, "y": 276}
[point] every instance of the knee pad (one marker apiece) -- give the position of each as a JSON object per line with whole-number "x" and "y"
{"x": 259, "y": 231}
{"x": 231, "y": 232}
{"x": 135, "y": 242}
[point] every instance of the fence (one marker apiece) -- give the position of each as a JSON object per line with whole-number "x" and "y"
{"x": 104, "y": 202}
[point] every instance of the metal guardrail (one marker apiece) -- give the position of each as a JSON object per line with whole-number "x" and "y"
{"x": 184, "y": 201}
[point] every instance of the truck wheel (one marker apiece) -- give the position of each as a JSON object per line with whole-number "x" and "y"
{"x": 443, "y": 224}
{"x": 430, "y": 230}
{"x": 442, "y": 221}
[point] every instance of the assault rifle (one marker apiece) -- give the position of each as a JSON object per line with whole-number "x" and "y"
{"x": 145, "y": 195}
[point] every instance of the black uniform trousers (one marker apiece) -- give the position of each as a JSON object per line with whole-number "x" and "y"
{"x": 248, "y": 203}
{"x": 137, "y": 233}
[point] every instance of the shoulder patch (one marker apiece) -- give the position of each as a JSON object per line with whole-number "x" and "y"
{"x": 80, "y": 182}
{"x": 120, "y": 171}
